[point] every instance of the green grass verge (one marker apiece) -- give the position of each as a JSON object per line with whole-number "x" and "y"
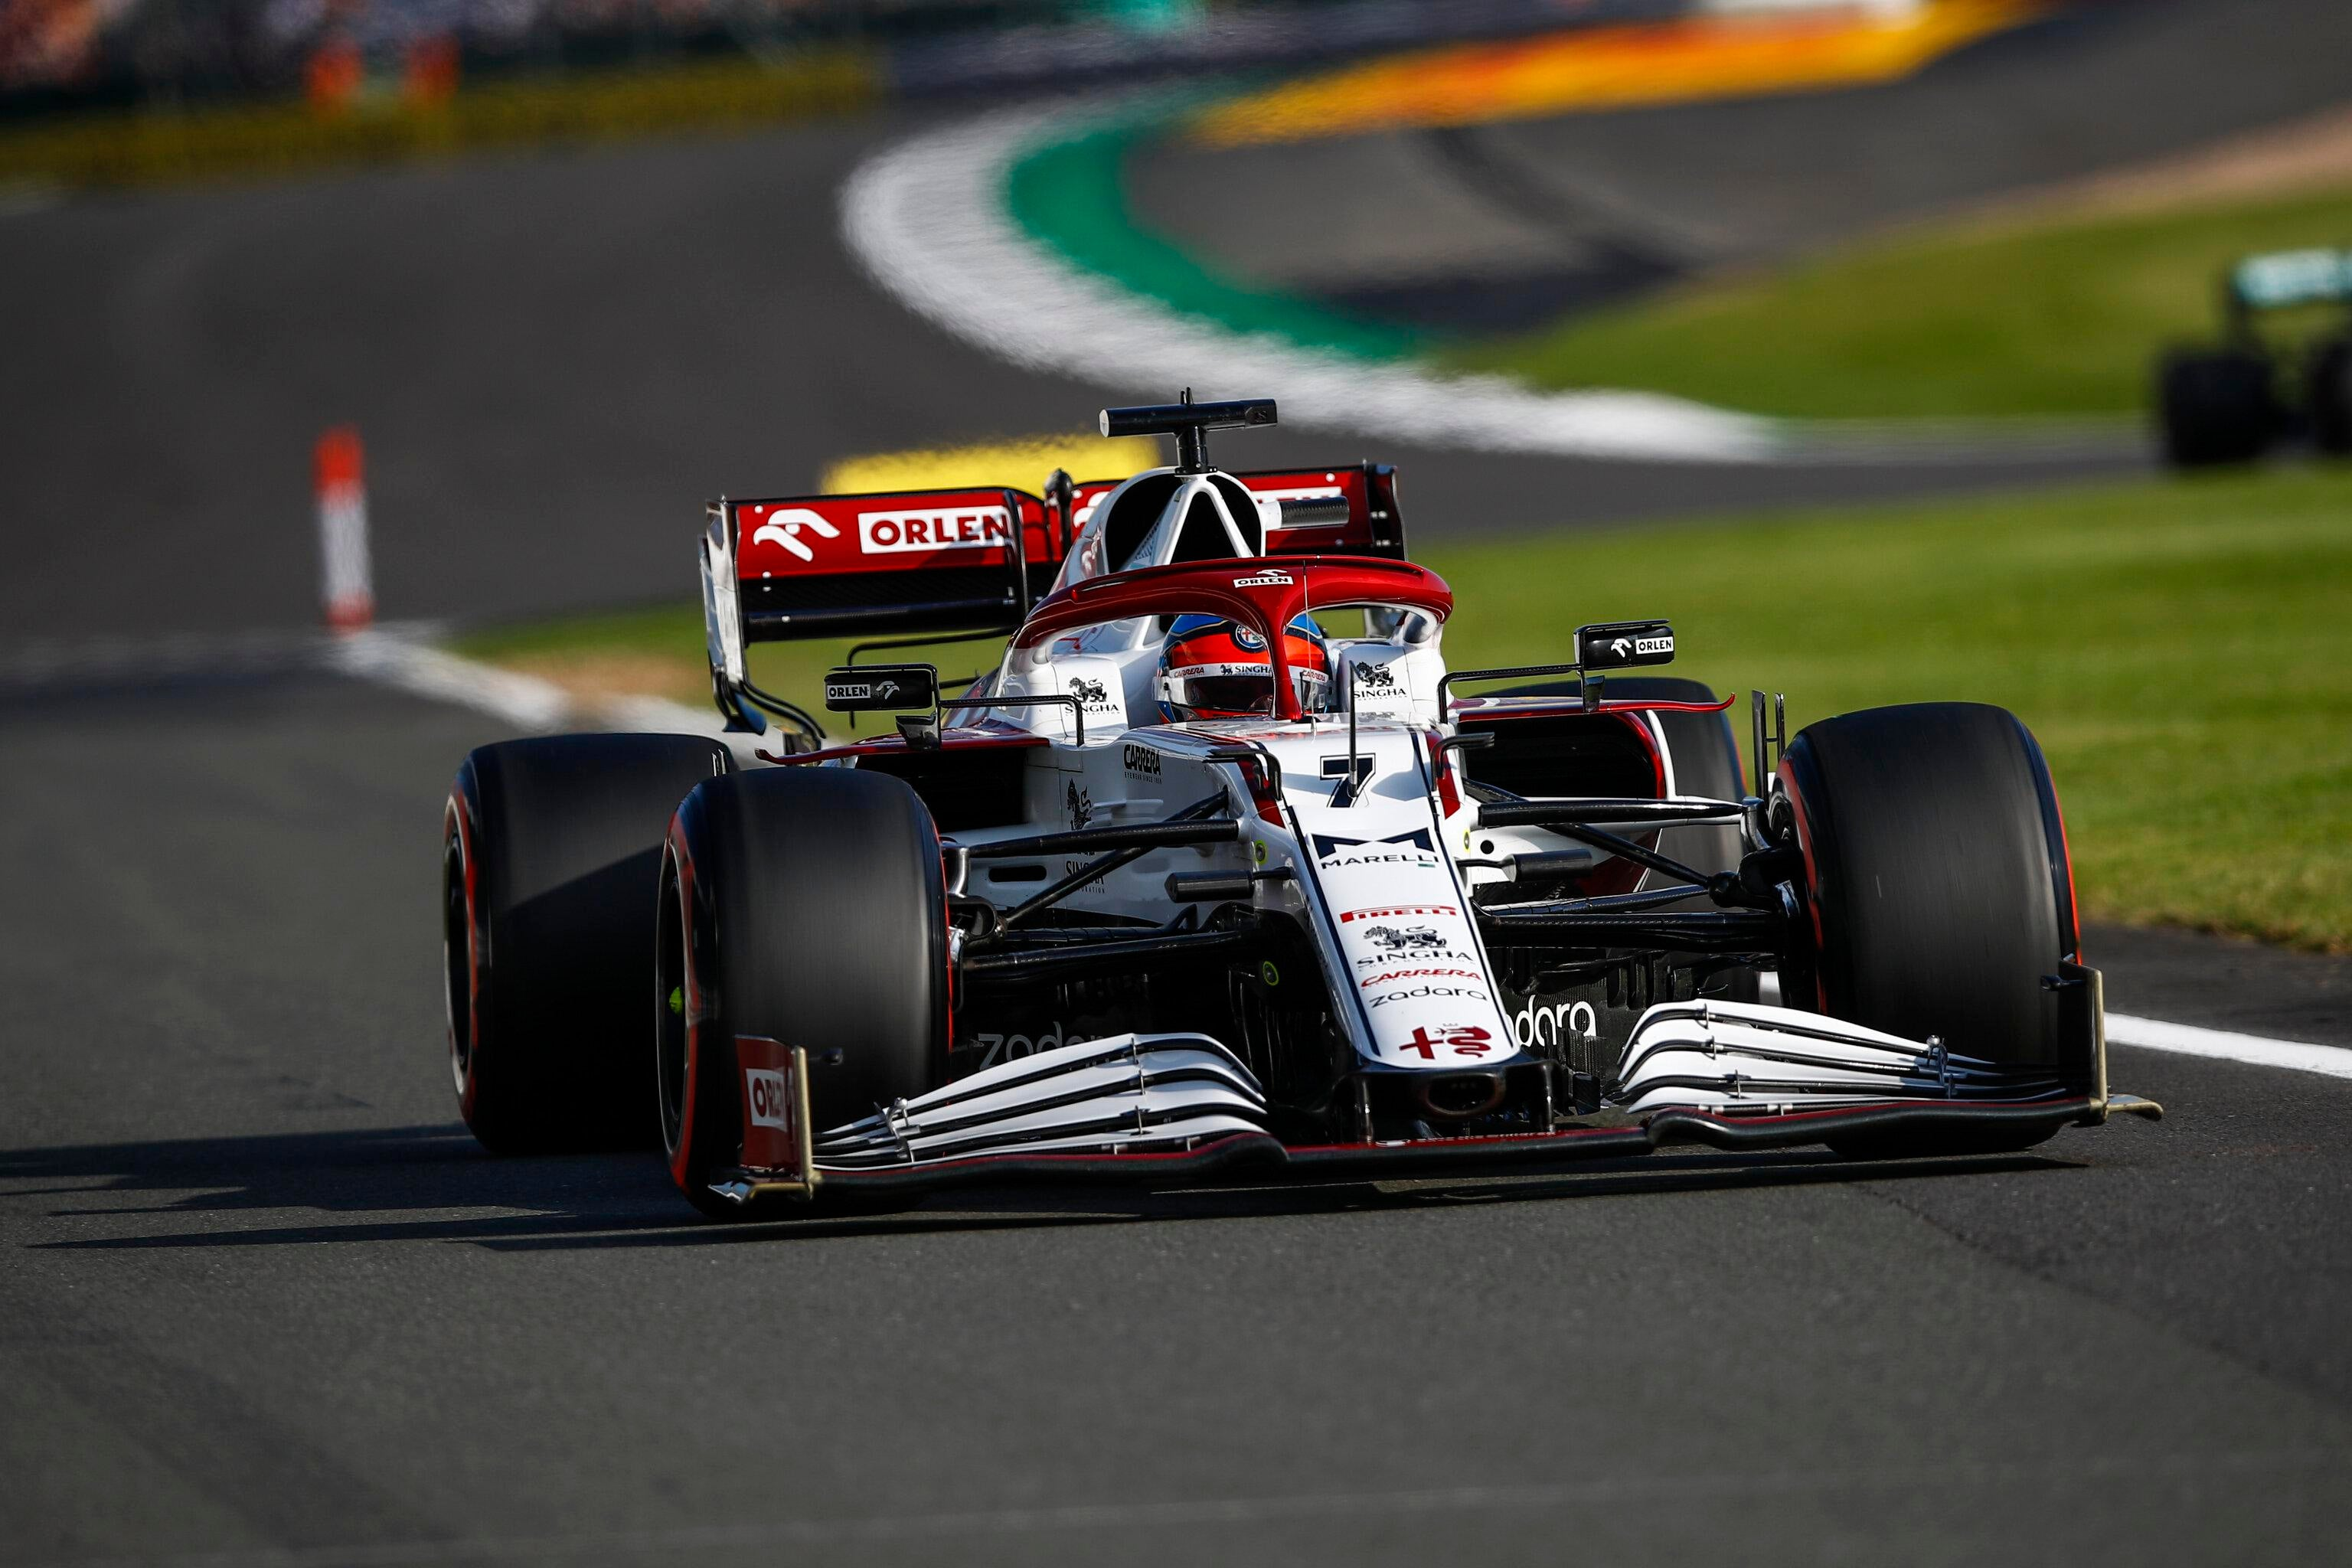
{"x": 148, "y": 147}
{"x": 2182, "y": 649}
{"x": 2059, "y": 318}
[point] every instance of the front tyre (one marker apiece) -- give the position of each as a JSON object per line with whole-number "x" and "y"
{"x": 805, "y": 905}
{"x": 1937, "y": 885}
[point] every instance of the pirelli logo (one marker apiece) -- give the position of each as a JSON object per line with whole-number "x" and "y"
{"x": 1398, "y": 912}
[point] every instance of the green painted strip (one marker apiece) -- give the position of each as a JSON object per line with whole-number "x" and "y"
{"x": 1069, "y": 193}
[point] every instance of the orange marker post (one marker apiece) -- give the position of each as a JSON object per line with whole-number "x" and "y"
{"x": 346, "y": 590}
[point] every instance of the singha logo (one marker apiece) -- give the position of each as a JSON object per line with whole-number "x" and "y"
{"x": 1090, "y": 694}
{"x": 1375, "y": 677}
{"x": 1082, "y": 806}
{"x": 1411, "y": 939}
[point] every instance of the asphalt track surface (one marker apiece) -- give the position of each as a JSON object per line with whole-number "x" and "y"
{"x": 264, "y": 1302}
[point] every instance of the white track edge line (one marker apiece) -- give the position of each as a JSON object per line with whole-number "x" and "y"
{"x": 526, "y": 701}
{"x": 2223, "y": 1044}
{"x": 2190, "y": 1040}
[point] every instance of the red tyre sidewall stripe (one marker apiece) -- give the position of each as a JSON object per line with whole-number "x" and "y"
{"x": 681, "y": 1159}
{"x": 2074, "y": 938}
{"x": 1813, "y": 879}
{"x": 459, "y": 817}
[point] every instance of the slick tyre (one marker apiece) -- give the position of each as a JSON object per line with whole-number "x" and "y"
{"x": 2216, "y": 407}
{"x": 805, "y": 905}
{"x": 550, "y": 851}
{"x": 1936, "y": 884}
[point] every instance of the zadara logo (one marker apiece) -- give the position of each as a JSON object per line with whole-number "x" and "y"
{"x": 965, "y": 528}
{"x": 784, "y": 527}
{"x": 1423, "y": 992}
{"x": 766, "y": 1094}
{"x": 1539, "y": 1025}
{"x": 1400, "y": 912}
{"x": 1265, "y": 579}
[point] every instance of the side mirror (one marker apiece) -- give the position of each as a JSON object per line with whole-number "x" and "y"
{"x": 1621, "y": 645}
{"x": 882, "y": 688}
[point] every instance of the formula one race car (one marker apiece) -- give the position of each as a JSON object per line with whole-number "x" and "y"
{"x": 2232, "y": 402}
{"x": 1221, "y": 876}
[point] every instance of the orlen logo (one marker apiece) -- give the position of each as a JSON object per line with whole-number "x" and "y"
{"x": 784, "y": 527}
{"x": 1398, "y": 911}
{"x": 765, "y": 1093}
{"x": 1265, "y": 579}
{"x": 966, "y": 528}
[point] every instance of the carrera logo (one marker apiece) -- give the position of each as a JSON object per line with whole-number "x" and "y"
{"x": 1265, "y": 579}
{"x": 1393, "y": 975}
{"x": 769, "y": 1097}
{"x": 784, "y": 527}
{"x": 967, "y": 528}
{"x": 1141, "y": 760}
{"x": 1400, "y": 912}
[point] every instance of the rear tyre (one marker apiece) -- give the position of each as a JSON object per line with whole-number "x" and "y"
{"x": 2328, "y": 391}
{"x": 2216, "y": 407}
{"x": 1937, "y": 885}
{"x": 550, "y": 851}
{"x": 806, "y": 905}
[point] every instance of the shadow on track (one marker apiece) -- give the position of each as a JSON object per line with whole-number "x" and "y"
{"x": 625, "y": 1200}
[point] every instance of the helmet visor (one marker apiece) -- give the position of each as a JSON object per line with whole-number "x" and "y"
{"x": 1223, "y": 689}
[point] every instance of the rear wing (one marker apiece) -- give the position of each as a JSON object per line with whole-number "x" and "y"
{"x": 2283, "y": 279}
{"x": 929, "y": 562}
{"x": 1371, "y": 525}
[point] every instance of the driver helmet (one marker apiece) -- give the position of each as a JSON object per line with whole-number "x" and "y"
{"x": 1211, "y": 668}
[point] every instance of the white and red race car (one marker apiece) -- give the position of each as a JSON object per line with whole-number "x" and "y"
{"x": 1221, "y": 875}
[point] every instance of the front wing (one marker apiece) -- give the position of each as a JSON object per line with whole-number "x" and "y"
{"x": 1181, "y": 1109}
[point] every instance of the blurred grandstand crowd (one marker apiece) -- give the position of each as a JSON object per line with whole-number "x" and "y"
{"x": 61, "y": 53}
